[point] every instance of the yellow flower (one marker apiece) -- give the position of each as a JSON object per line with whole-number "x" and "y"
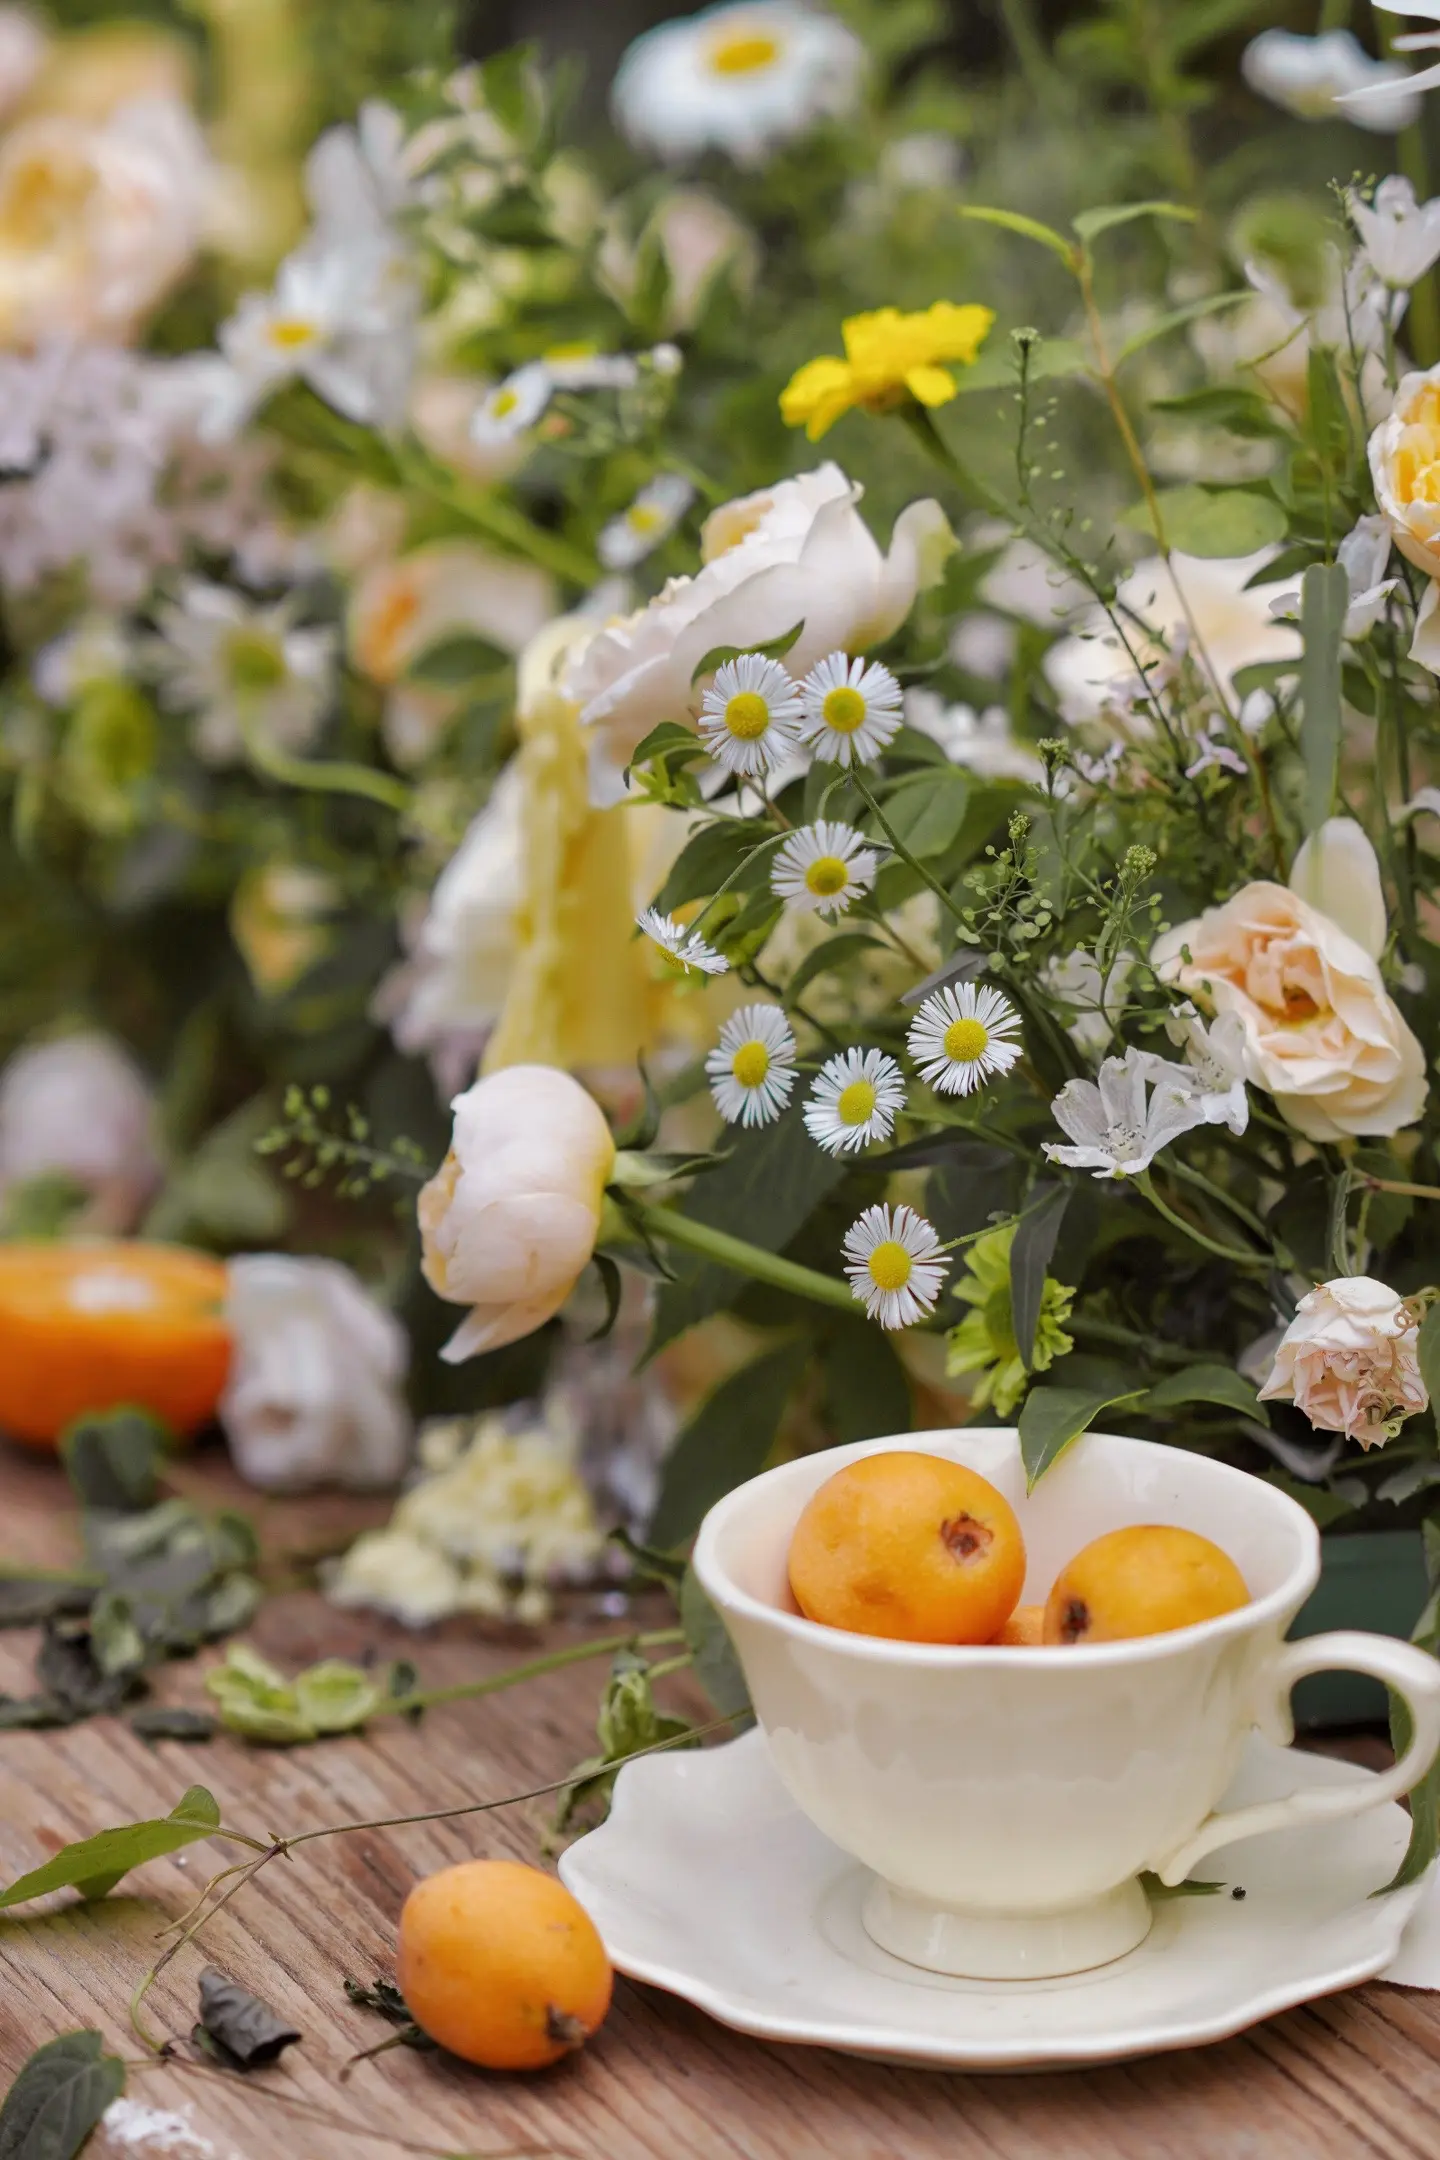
{"x": 887, "y": 354}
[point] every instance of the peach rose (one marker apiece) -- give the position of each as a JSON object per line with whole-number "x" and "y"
{"x": 1349, "y": 1360}
{"x": 1322, "y": 1035}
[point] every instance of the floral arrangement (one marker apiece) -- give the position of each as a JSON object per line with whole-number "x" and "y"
{"x": 878, "y": 691}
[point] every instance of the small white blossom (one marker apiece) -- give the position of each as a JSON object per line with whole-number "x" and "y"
{"x": 1117, "y": 1130}
{"x": 855, "y": 1099}
{"x": 752, "y": 1068}
{"x": 823, "y": 868}
{"x": 962, "y": 1036}
{"x": 1215, "y": 1056}
{"x": 1401, "y": 237}
{"x": 1212, "y": 748}
{"x": 851, "y": 709}
{"x": 1330, "y": 76}
{"x": 896, "y": 1265}
{"x": 512, "y": 406}
{"x": 748, "y": 715}
{"x": 982, "y": 743}
{"x": 685, "y": 948}
{"x": 651, "y": 518}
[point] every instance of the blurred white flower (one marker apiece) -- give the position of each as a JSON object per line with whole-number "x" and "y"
{"x": 980, "y": 742}
{"x": 314, "y": 1391}
{"x": 248, "y": 673}
{"x": 651, "y": 518}
{"x": 509, "y": 1221}
{"x": 341, "y": 317}
{"x": 98, "y": 219}
{"x": 1212, "y": 748}
{"x": 1310, "y": 76}
{"x": 1223, "y": 622}
{"x": 23, "y": 46}
{"x": 1350, "y": 1360}
{"x": 512, "y": 407}
{"x": 796, "y": 553}
{"x": 79, "y": 1110}
{"x": 443, "y": 406}
{"x": 751, "y": 1070}
{"x": 1363, "y": 555}
{"x": 1025, "y": 581}
{"x": 1401, "y": 237}
{"x": 1417, "y": 41}
{"x": 743, "y": 77}
{"x": 699, "y": 239}
{"x": 1116, "y": 1127}
{"x": 1094, "y": 1009}
{"x": 94, "y": 649}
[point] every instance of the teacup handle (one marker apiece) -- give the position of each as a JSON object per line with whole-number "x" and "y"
{"x": 1415, "y": 1677}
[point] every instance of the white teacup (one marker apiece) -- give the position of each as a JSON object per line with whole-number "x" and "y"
{"x": 1008, "y": 1799}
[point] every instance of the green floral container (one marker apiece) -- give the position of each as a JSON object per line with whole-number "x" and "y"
{"x": 1374, "y": 1580}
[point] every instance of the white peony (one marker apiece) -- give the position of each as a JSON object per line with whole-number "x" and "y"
{"x": 510, "y": 1219}
{"x": 314, "y": 1393}
{"x": 80, "y": 1110}
{"x": 1349, "y": 1359}
{"x": 797, "y": 553}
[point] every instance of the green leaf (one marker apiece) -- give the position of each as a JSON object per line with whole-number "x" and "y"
{"x": 335, "y": 1697}
{"x": 765, "y": 1190}
{"x": 709, "y": 857}
{"x": 457, "y": 660}
{"x": 1320, "y": 1504}
{"x": 1177, "y": 318}
{"x": 927, "y": 810}
{"x": 170, "y": 1721}
{"x": 1030, "y": 1257}
{"x": 95, "y": 1864}
{"x": 1221, "y": 522}
{"x": 1424, "y": 1805}
{"x": 1159, "y": 1892}
{"x": 1029, "y": 228}
{"x": 725, "y": 1442}
{"x": 59, "y": 2097}
{"x": 866, "y": 1392}
{"x": 1049, "y": 359}
{"x": 112, "y": 1457}
{"x": 1324, "y": 597}
{"x": 1218, "y": 1384}
{"x": 776, "y": 649}
{"x": 834, "y": 953}
{"x": 716, "y": 1666}
{"x": 1054, "y": 1417}
{"x": 664, "y": 741}
{"x": 1428, "y": 1350}
{"x": 1091, "y": 223}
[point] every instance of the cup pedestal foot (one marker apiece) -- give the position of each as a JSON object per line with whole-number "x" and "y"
{"x": 1005, "y": 1946}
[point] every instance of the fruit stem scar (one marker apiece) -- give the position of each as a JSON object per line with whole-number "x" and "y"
{"x": 563, "y": 2028}
{"x": 1075, "y": 1620}
{"x": 963, "y": 1537}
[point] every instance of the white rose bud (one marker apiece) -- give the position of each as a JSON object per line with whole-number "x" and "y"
{"x": 314, "y": 1393}
{"x": 80, "y": 1109}
{"x": 1349, "y": 1360}
{"x": 510, "y": 1219}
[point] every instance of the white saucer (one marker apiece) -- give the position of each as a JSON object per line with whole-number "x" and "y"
{"x": 707, "y": 1880}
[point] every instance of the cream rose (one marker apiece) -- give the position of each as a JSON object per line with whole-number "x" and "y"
{"x": 1349, "y": 1360}
{"x": 1405, "y": 467}
{"x": 799, "y": 552}
{"x": 511, "y": 1217}
{"x": 1322, "y": 1036}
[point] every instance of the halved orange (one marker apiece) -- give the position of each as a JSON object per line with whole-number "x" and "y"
{"x": 87, "y": 1324}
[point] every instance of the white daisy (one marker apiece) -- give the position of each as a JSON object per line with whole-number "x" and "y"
{"x": 752, "y": 1068}
{"x": 738, "y": 78}
{"x": 896, "y": 1265}
{"x": 854, "y": 1100}
{"x": 685, "y": 948}
{"x": 512, "y": 406}
{"x": 960, "y": 1037}
{"x": 341, "y": 316}
{"x": 851, "y": 709}
{"x": 651, "y": 518}
{"x": 243, "y": 670}
{"x": 748, "y": 715}
{"x": 823, "y": 869}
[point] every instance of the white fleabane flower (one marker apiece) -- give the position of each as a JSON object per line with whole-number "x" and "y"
{"x": 1317, "y": 78}
{"x": 513, "y": 405}
{"x": 684, "y": 948}
{"x": 245, "y": 671}
{"x": 896, "y": 1265}
{"x": 739, "y": 78}
{"x": 962, "y": 1036}
{"x": 748, "y": 716}
{"x": 1215, "y": 1059}
{"x": 855, "y": 1099}
{"x": 1371, "y": 94}
{"x": 341, "y": 317}
{"x": 651, "y": 518}
{"x": 1401, "y": 237}
{"x": 851, "y": 709}
{"x": 823, "y": 868}
{"x": 1117, "y": 1130}
{"x": 751, "y": 1070}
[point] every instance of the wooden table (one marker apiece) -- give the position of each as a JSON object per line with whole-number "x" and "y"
{"x": 1355, "y": 2075}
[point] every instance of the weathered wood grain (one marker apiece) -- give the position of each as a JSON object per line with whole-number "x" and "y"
{"x": 1356, "y": 2077}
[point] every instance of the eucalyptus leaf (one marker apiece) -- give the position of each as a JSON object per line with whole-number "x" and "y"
{"x": 95, "y": 1864}
{"x": 1324, "y": 597}
{"x": 26, "y": 1600}
{"x": 725, "y": 1442}
{"x": 1053, "y": 1418}
{"x": 58, "y": 2098}
{"x": 247, "y": 2033}
{"x": 1031, "y": 1252}
{"x": 716, "y": 1666}
{"x": 1218, "y": 1384}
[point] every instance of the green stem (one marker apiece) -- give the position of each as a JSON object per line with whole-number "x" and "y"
{"x": 1246, "y": 1215}
{"x": 1110, "y": 1331}
{"x": 1396, "y": 1185}
{"x": 869, "y": 798}
{"x": 1222, "y": 1252}
{"x": 322, "y": 776}
{"x": 500, "y": 520}
{"x": 532, "y": 1669}
{"x": 746, "y": 1259}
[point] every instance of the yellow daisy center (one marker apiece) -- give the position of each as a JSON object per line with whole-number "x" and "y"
{"x": 966, "y": 1040}
{"x": 890, "y": 1265}
{"x": 750, "y": 1064}
{"x": 844, "y": 709}
{"x": 744, "y": 55}
{"x": 503, "y": 404}
{"x": 826, "y": 876}
{"x": 855, "y": 1106}
{"x": 747, "y": 715}
{"x": 644, "y": 518}
{"x": 291, "y": 332}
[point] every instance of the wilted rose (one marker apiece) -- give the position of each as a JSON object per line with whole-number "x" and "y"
{"x": 1349, "y": 1360}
